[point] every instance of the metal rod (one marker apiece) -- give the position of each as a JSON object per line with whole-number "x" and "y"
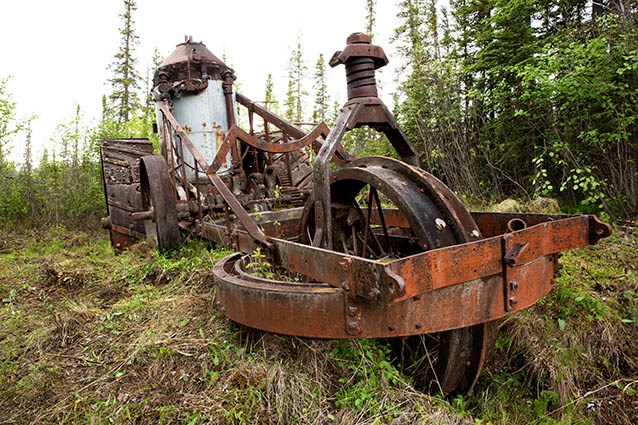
{"x": 382, "y": 219}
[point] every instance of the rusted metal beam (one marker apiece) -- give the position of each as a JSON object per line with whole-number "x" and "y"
{"x": 249, "y": 224}
{"x": 341, "y": 156}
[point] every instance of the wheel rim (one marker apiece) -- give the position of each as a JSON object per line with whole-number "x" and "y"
{"x": 158, "y": 198}
{"x": 437, "y": 218}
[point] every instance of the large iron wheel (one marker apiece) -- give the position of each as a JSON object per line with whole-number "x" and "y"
{"x": 369, "y": 198}
{"x": 158, "y": 199}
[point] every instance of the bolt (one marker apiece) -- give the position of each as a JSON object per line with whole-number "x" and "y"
{"x": 358, "y": 38}
{"x": 418, "y": 326}
{"x": 345, "y": 285}
{"x": 513, "y": 301}
{"x": 353, "y": 326}
{"x": 513, "y": 285}
{"x": 391, "y": 328}
{"x": 440, "y": 224}
{"x": 373, "y": 293}
{"x": 352, "y": 311}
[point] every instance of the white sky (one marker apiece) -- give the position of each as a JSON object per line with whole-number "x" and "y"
{"x": 57, "y": 52}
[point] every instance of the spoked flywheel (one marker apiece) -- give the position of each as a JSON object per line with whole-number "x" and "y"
{"x": 384, "y": 209}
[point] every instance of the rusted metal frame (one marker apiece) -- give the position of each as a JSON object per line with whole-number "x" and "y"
{"x": 321, "y": 177}
{"x": 199, "y": 198}
{"x": 492, "y": 224}
{"x": 368, "y": 230}
{"x": 227, "y": 86}
{"x": 124, "y": 150}
{"x": 120, "y": 205}
{"x": 386, "y": 236}
{"x": 169, "y": 148}
{"x": 371, "y": 111}
{"x": 433, "y": 270}
{"x": 341, "y": 156}
{"x": 294, "y": 309}
{"x": 114, "y": 161}
{"x": 251, "y": 227}
{"x": 450, "y": 266}
{"x": 321, "y": 130}
{"x": 183, "y": 162}
{"x": 333, "y": 268}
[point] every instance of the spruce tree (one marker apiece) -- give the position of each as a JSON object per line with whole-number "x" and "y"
{"x": 322, "y": 100}
{"x": 124, "y": 98}
{"x": 296, "y": 74}
{"x": 370, "y": 17}
{"x": 9, "y": 125}
{"x": 269, "y": 95}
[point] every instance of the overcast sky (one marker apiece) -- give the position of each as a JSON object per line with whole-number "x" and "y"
{"x": 57, "y": 52}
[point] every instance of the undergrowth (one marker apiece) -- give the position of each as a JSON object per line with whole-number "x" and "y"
{"x": 92, "y": 337}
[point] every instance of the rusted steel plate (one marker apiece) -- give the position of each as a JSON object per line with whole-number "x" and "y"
{"x": 493, "y": 224}
{"x": 453, "y": 265}
{"x": 121, "y": 179}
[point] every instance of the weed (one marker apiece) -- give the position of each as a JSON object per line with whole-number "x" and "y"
{"x": 259, "y": 265}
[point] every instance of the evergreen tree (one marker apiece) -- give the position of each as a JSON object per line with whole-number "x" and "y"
{"x": 296, "y": 74}
{"x": 370, "y": 17}
{"x": 322, "y": 100}
{"x": 269, "y": 95}
{"x": 9, "y": 125}
{"x": 124, "y": 98}
{"x": 28, "y": 152}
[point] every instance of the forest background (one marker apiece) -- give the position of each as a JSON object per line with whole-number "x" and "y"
{"x": 502, "y": 98}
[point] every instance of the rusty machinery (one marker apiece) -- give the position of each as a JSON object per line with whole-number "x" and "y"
{"x": 363, "y": 248}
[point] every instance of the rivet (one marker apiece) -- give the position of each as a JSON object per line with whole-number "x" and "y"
{"x": 391, "y": 328}
{"x": 418, "y": 326}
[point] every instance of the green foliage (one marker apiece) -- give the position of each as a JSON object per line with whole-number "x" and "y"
{"x": 258, "y": 264}
{"x": 124, "y": 98}
{"x": 269, "y": 95}
{"x": 368, "y": 373}
{"x": 322, "y": 99}
{"x": 295, "y": 93}
{"x": 9, "y": 125}
{"x": 520, "y": 98}
{"x": 370, "y": 19}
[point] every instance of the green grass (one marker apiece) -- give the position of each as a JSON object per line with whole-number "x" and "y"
{"x": 91, "y": 337}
